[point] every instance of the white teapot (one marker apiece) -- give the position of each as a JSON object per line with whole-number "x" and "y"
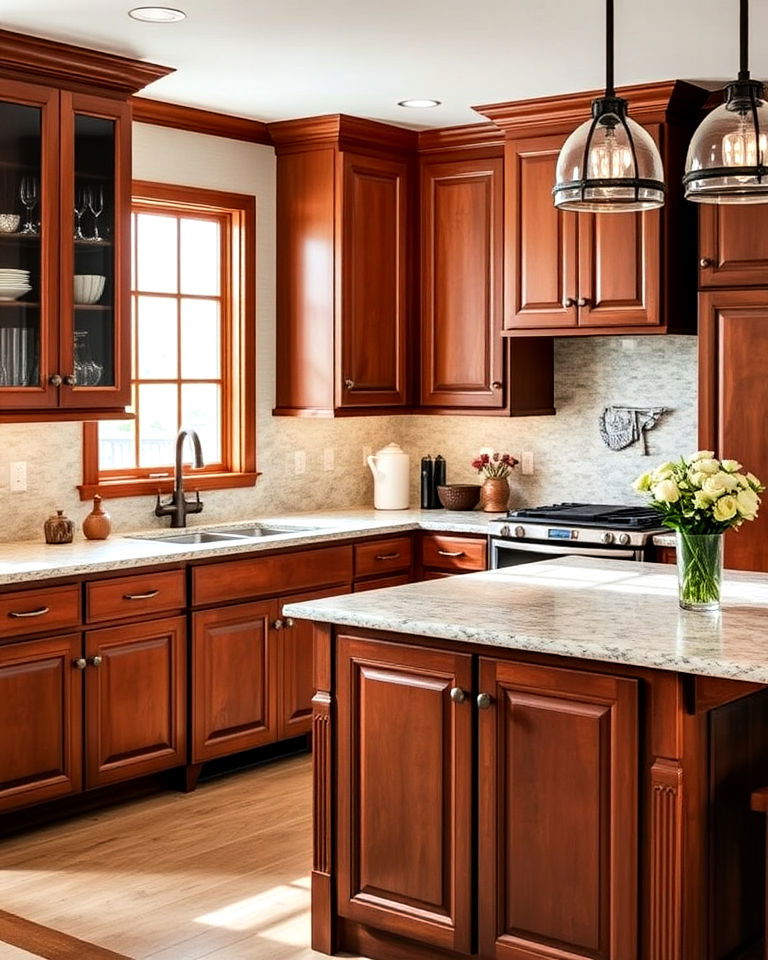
{"x": 390, "y": 467}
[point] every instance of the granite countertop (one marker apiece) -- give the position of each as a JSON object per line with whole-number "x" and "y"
{"x": 595, "y": 609}
{"x": 25, "y": 562}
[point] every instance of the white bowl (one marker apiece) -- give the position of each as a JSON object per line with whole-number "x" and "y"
{"x": 9, "y": 222}
{"x": 13, "y": 293}
{"x": 89, "y": 287}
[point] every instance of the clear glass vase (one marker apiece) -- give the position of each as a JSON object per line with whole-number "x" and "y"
{"x": 699, "y": 570}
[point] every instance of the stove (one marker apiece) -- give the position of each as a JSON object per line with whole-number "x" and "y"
{"x": 568, "y": 529}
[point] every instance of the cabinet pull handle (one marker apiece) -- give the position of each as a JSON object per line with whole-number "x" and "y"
{"x": 451, "y": 553}
{"x": 458, "y": 695}
{"x": 496, "y": 385}
{"x": 55, "y": 380}
{"x": 23, "y": 614}
{"x": 569, "y": 302}
{"x": 80, "y": 664}
{"x": 277, "y": 624}
{"x": 70, "y": 380}
{"x": 141, "y": 596}
{"x": 484, "y": 701}
{"x": 705, "y": 262}
{"x": 349, "y": 384}
{"x": 583, "y": 302}
{"x": 95, "y": 661}
{"x": 387, "y": 556}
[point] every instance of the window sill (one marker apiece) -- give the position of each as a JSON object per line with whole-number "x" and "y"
{"x": 148, "y": 487}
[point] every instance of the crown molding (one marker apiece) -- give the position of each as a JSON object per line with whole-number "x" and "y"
{"x": 339, "y": 129}
{"x": 80, "y": 68}
{"x": 469, "y": 135}
{"x": 163, "y": 114}
{"x": 669, "y": 100}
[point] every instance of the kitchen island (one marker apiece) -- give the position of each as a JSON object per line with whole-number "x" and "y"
{"x": 548, "y": 761}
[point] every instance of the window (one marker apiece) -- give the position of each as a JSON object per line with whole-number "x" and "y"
{"x": 192, "y": 329}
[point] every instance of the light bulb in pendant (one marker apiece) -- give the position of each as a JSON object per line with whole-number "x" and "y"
{"x": 740, "y": 147}
{"x": 608, "y": 159}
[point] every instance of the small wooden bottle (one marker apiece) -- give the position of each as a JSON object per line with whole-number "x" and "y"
{"x": 98, "y": 524}
{"x": 58, "y": 528}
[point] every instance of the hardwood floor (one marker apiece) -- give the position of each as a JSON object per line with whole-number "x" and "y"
{"x": 220, "y": 874}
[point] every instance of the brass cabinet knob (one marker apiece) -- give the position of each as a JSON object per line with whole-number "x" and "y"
{"x": 458, "y": 695}
{"x": 583, "y": 302}
{"x": 484, "y": 701}
{"x": 277, "y": 624}
{"x": 496, "y": 385}
{"x": 569, "y": 302}
{"x": 349, "y": 384}
{"x": 55, "y": 380}
{"x": 80, "y": 664}
{"x": 705, "y": 262}
{"x": 70, "y": 380}
{"x": 288, "y": 622}
{"x": 95, "y": 661}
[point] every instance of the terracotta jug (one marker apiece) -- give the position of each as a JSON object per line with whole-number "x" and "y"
{"x": 494, "y": 495}
{"x": 98, "y": 524}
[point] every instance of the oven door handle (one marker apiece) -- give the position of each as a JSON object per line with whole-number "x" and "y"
{"x": 562, "y": 551}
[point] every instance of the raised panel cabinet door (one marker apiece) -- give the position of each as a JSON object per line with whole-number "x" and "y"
{"x": 374, "y": 267}
{"x": 41, "y": 710}
{"x": 619, "y": 269}
{"x": 234, "y": 679}
{"x": 462, "y": 266}
{"x": 733, "y": 245}
{"x": 295, "y": 687}
{"x": 558, "y": 820}
{"x": 404, "y": 812}
{"x": 135, "y": 700}
{"x": 541, "y": 241}
{"x": 733, "y": 392}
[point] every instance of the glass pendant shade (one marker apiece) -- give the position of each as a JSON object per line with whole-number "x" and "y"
{"x": 609, "y": 164}
{"x": 727, "y": 155}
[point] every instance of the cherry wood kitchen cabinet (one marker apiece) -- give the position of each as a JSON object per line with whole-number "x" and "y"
{"x": 446, "y": 554}
{"x": 733, "y": 389}
{"x": 135, "y": 700}
{"x": 573, "y": 274}
{"x": 67, "y": 147}
{"x": 733, "y": 245}
{"x": 41, "y": 716}
{"x": 345, "y": 191}
{"x": 557, "y": 747}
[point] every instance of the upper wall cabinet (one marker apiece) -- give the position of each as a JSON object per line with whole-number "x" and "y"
{"x": 65, "y": 185}
{"x": 344, "y": 198}
{"x": 569, "y": 273}
{"x": 733, "y": 245}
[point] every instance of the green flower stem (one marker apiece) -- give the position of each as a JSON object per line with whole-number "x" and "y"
{"x": 699, "y": 566}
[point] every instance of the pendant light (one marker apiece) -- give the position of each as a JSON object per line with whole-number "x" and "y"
{"x": 609, "y": 164}
{"x": 727, "y": 155}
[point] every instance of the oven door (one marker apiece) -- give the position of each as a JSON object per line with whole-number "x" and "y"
{"x": 512, "y": 553}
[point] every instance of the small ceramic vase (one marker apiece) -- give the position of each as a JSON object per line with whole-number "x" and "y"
{"x": 58, "y": 528}
{"x": 494, "y": 495}
{"x": 98, "y": 524}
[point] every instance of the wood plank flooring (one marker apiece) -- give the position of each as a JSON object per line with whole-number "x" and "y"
{"x": 219, "y": 874}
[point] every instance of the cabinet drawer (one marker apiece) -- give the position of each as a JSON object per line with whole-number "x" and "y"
{"x": 121, "y": 597}
{"x": 383, "y": 556}
{"x": 31, "y": 611}
{"x": 271, "y": 575}
{"x": 453, "y": 554}
{"x": 378, "y": 583}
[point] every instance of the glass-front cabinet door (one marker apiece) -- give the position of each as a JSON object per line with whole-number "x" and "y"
{"x": 95, "y": 252}
{"x": 28, "y": 226}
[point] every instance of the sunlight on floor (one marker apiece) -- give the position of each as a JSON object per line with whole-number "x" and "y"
{"x": 278, "y": 903}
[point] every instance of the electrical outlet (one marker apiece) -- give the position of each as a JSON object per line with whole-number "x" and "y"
{"x": 18, "y": 476}
{"x": 367, "y": 452}
{"x": 329, "y": 460}
{"x": 526, "y": 463}
{"x": 299, "y": 462}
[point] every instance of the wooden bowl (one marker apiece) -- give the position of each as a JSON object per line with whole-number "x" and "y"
{"x": 459, "y": 496}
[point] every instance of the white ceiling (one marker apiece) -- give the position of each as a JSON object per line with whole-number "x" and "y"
{"x": 277, "y": 59}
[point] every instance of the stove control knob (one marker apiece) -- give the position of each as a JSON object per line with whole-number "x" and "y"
{"x": 519, "y": 531}
{"x": 607, "y": 537}
{"x": 505, "y": 531}
{"x": 624, "y": 539}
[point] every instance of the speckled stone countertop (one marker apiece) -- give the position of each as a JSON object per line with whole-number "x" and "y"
{"x": 24, "y": 562}
{"x": 595, "y": 609}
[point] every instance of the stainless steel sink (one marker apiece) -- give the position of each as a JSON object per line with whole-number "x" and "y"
{"x": 257, "y": 530}
{"x": 199, "y": 537}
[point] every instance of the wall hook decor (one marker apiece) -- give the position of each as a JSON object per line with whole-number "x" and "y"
{"x": 622, "y": 426}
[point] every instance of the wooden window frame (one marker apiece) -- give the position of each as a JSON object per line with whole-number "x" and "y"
{"x": 238, "y": 350}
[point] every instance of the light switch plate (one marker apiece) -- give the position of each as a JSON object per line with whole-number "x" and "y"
{"x": 18, "y": 476}
{"x": 526, "y": 463}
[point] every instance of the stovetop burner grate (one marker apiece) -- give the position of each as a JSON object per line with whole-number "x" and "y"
{"x": 590, "y": 514}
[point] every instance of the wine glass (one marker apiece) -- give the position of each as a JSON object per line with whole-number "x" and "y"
{"x": 28, "y": 194}
{"x": 96, "y": 206}
{"x": 81, "y": 205}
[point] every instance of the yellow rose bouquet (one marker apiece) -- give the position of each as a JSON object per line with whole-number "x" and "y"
{"x": 701, "y": 497}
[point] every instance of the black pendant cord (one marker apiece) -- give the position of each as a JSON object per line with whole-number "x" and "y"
{"x": 610, "y": 91}
{"x": 744, "y": 40}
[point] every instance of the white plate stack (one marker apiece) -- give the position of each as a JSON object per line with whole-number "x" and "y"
{"x": 13, "y": 283}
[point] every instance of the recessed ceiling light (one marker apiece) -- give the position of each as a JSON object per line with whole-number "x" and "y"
{"x": 157, "y": 14}
{"x": 418, "y": 104}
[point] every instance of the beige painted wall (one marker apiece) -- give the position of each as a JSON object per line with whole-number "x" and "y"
{"x": 571, "y": 461}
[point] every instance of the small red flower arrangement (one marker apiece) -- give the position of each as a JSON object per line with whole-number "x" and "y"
{"x": 495, "y": 466}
